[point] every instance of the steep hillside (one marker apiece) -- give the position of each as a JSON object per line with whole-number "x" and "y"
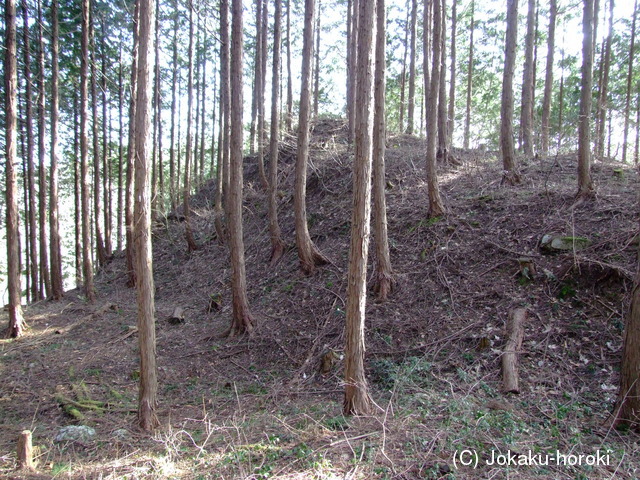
{"x": 267, "y": 406}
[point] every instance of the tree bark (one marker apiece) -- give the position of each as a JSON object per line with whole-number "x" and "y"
{"x": 172, "y": 151}
{"x": 384, "y": 281}
{"x": 87, "y": 265}
{"x": 356, "y": 394}
{"x": 188, "y": 232}
{"x": 436, "y": 207}
{"x": 510, "y": 174}
{"x": 275, "y": 233}
{"x": 42, "y": 169}
{"x": 57, "y": 287}
{"x": 289, "y": 119}
{"x": 452, "y": 85}
{"x": 467, "y": 120}
{"x": 548, "y": 79}
{"x": 316, "y": 70}
{"x": 403, "y": 75}
{"x": 147, "y": 395}
{"x": 526, "y": 112}
{"x": 261, "y": 75}
{"x": 36, "y": 291}
{"x": 242, "y": 321}
{"x": 129, "y": 200}
{"x": 223, "y": 145}
{"x": 443, "y": 136}
{"x": 351, "y": 70}
{"x": 515, "y": 335}
{"x": 25, "y": 451}
{"x": 585, "y": 184}
{"x": 412, "y": 68}
{"x": 106, "y": 164}
{"x": 603, "y": 88}
{"x": 97, "y": 179}
{"x": 627, "y": 102}
{"x": 310, "y": 257}
{"x": 16, "y": 321}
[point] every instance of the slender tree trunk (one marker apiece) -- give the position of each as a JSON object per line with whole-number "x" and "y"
{"x": 452, "y": 86}
{"x": 603, "y": 87}
{"x": 188, "y": 232}
{"x": 261, "y": 74}
{"x": 196, "y": 85}
{"x": 403, "y": 77}
{"x": 106, "y": 164}
{"x": 636, "y": 150}
{"x": 42, "y": 169}
{"x": 25, "y": 191}
{"x": 356, "y": 394}
{"x": 57, "y": 287}
{"x": 16, "y": 321}
{"x": 97, "y": 179}
{"x": 257, "y": 82}
{"x": 510, "y": 175}
{"x": 310, "y": 257}
{"x": 548, "y": 79}
{"x": 443, "y": 136}
{"x": 87, "y": 265}
{"x": 158, "y": 96}
{"x": 223, "y": 144}
{"x": 131, "y": 152}
{"x": 147, "y": 396}
{"x": 627, "y": 102}
{"x": 384, "y": 281}
{"x": 289, "y": 120}
{"x": 174, "y": 82}
{"x": 77, "y": 194}
{"x": 412, "y": 68}
{"x": 275, "y": 233}
{"x": 467, "y": 120}
{"x": 37, "y": 292}
{"x": 436, "y": 207}
{"x": 120, "y": 206}
{"x": 203, "y": 87}
{"x": 316, "y": 70}
{"x": 526, "y": 112}
{"x": 352, "y": 72}
{"x": 585, "y": 184}
{"x": 242, "y": 321}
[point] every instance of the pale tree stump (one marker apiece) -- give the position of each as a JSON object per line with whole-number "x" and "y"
{"x": 25, "y": 451}
{"x": 515, "y": 335}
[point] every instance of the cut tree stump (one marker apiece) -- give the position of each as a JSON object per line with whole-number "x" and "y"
{"x": 177, "y": 317}
{"x": 515, "y": 335}
{"x": 25, "y": 451}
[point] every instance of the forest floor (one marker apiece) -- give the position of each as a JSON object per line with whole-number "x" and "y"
{"x": 259, "y": 407}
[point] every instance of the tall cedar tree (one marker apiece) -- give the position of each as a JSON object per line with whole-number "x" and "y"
{"x": 174, "y": 83}
{"x": 97, "y": 206}
{"x": 412, "y": 67}
{"x": 510, "y": 174}
{"x": 443, "y": 137}
{"x": 586, "y": 189}
{"x": 261, "y": 75}
{"x": 352, "y": 73}
{"x": 627, "y": 103}
{"x": 222, "y": 179}
{"x": 120, "y": 205}
{"x": 128, "y": 217}
{"x": 526, "y": 109}
{"x": 603, "y": 87}
{"x": 242, "y": 321}
{"x": 275, "y": 233}
{"x": 436, "y": 208}
{"x": 186, "y": 209}
{"x": 16, "y": 320}
{"x": 356, "y": 394}
{"x": 87, "y": 265}
{"x": 42, "y": 169}
{"x": 147, "y": 395}
{"x": 384, "y": 281}
{"x": 467, "y": 118}
{"x": 37, "y": 292}
{"x": 57, "y": 288}
{"x": 452, "y": 83}
{"x": 548, "y": 79}
{"x": 310, "y": 257}
{"x": 403, "y": 75}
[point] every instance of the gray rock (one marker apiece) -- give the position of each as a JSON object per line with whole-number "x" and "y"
{"x": 75, "y": 433}
{"x": 551, "y": 243}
